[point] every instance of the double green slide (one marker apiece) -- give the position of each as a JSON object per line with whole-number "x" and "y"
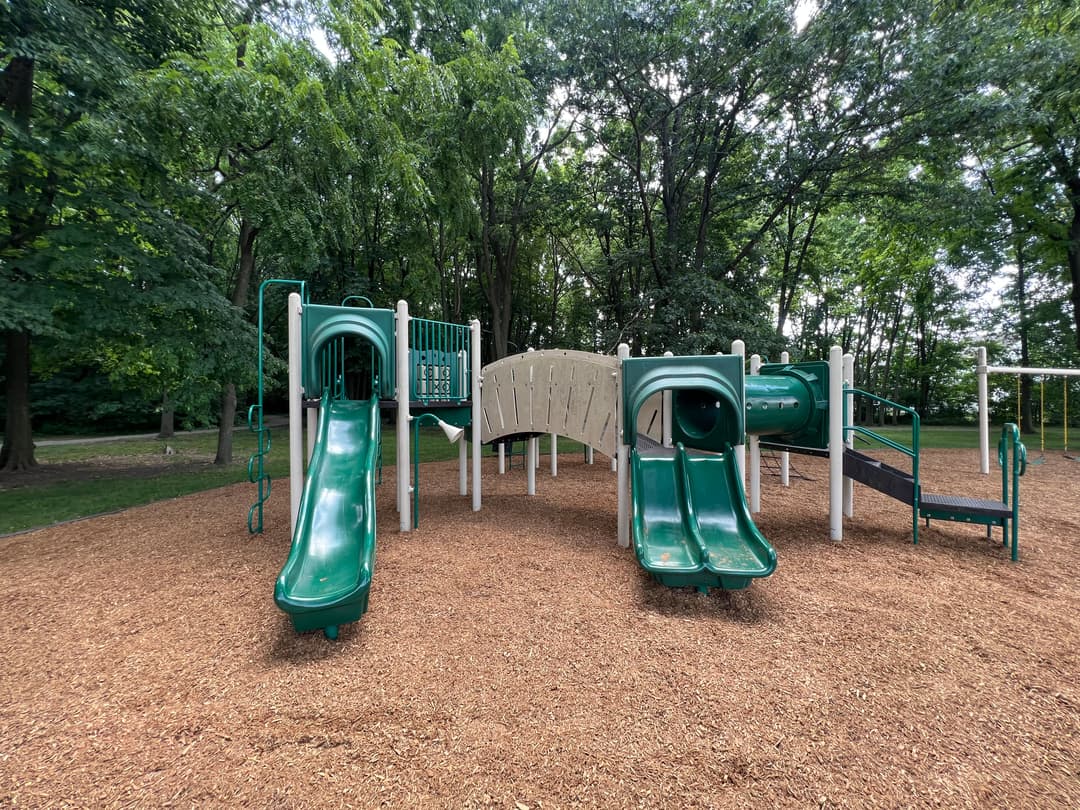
{"x": 325, "y": 580}
{"x": 691, "y": 524}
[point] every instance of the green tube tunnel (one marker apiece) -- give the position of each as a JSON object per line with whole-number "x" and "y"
{"x": 787, "y": 403}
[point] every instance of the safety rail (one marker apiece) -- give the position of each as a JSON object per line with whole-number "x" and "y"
{"x": 256, "y": 467}
{"x": 333, "y": 368}
{"x": 911, "y": 452}
{"x": 440, "y": 361}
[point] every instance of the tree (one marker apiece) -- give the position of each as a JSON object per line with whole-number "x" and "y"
{"x": 243, "y": 122}
{"x": 1031, "y": 72}
{"x": 63, "y": 64}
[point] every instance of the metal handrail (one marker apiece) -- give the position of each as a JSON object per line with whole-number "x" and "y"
{"x": 912, "y": 452}
{"x": 348, "y": 298}
{"x": 262, "y": 432}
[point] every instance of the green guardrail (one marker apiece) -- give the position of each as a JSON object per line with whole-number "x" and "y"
{"x": 256, "y": 470}
{"x": 439, "y": 361}
{"x": 1016, "y": 467}
{"x": 911, "y": 452}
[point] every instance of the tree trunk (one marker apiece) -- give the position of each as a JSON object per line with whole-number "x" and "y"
{"x": 227, "y": 414}
{"x": 168, "y": 423}
{"x": 18, "y": 451}
{"x": 226, "y": 417}
{"x": 24, "y": 222}
{"x": 495, "y": 264}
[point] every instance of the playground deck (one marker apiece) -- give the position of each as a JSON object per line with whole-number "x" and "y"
{"x": 518, "y": 657}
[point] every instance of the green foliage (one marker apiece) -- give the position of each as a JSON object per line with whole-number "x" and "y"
{"x": 673, "y": 175}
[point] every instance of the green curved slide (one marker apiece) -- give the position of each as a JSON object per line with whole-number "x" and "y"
{"x": 691, "y": 524}
{"x": 326, "y": 578}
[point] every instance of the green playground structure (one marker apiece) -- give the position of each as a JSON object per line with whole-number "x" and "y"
{"x": 681, "y": 499}
{"x": 691, "y": 523}
{"x": 343, "y": 387}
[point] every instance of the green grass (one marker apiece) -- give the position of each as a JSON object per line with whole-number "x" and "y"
{"x": 27, "y": 506}
{"x": 30, "y": 506}
{"x": 110, "y": 485}
{"x": 966, "y": 437}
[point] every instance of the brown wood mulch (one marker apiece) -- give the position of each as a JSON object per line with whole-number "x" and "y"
{"x": 518, "y": 658}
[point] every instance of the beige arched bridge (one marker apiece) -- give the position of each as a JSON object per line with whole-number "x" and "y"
{"x": 569, "y": 393}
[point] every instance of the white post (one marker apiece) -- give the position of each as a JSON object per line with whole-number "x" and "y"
{"x": 554, "y": 455}
{"x": 622, "y": 455}
{"x": 738, "y": 347}
{"x": 477, "y": 432}
{"x": 502, "y": 459}
{"x": 984, "y": 412}
{"x": 849, "y": 440}
{"x": 404, "y": 496}
{"x": 785, "y": 457}
{"x": 296, "y": 407}
{"x": 588, "y": 454}
{"x": 531, "y": 455}
{"x": 755, "y": 451}
{"x": 665, "y": 419}
{"x": 836, "y": 443}
{"x": 312, "y": 431}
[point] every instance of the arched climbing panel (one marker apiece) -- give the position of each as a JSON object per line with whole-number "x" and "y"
{"x": 573, "y": 394}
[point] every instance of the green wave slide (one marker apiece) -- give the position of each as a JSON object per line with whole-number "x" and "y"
{"x": 691, "y": 524}
{"x": 326, "y": 578}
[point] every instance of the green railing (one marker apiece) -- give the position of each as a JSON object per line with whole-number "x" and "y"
{"x": 1014, "y": 467}
{"x": 256, "y": 463}
{"x": 911, "y": 452}
{"x": 439, "y": 360}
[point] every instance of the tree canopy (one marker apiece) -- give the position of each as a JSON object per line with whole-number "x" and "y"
{"x": 899, "y": 177}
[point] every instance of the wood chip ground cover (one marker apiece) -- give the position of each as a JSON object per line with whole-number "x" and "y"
{"x": 518, "y": 658}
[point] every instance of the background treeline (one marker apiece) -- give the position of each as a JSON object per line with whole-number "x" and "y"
{"x": 901, "y": 177}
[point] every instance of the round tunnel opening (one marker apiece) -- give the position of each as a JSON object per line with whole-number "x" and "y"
{"x": 695, "y": 411}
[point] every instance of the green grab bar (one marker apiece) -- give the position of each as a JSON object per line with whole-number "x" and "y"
{"x": 912, "y": 452}
{"x": 255, "y": 526}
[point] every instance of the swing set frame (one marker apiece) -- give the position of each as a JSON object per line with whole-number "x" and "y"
{"x": 984, "y": 370}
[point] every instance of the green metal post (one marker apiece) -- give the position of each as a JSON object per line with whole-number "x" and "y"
{"x": 417, "y": 421}
{"x": 1017, "y": 466}
{"x": 257, "y": 475}
{"x": 915, "y": 434}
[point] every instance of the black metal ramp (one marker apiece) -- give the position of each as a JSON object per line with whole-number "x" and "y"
{"x": 880, "y": 476}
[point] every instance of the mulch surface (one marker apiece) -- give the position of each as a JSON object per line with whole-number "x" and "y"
{"x": 519, "y": 658}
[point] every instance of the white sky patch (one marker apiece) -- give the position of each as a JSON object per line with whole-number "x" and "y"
{"x": 803, "y": 12}
{"x": 318, "y": 38}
